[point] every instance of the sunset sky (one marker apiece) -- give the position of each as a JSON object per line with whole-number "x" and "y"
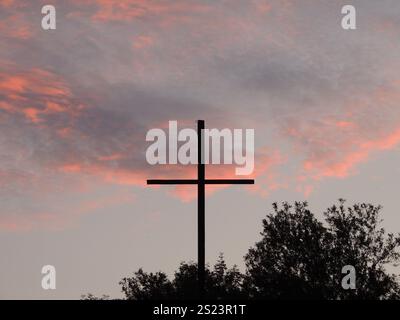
{"x": 76, "y": 104}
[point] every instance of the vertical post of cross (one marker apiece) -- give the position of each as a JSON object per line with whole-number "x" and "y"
{"x": 201, "y": 182}
{"x": 201, "y": 210}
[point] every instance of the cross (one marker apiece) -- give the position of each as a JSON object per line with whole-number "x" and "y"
{"x": 201, "y": 182}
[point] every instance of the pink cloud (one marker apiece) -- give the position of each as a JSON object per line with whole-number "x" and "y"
{"x": 52, "y": 94}
{"x": 125, "y": 11}
{"x": 15, "y": 23}
{"x": 333, "y": 146}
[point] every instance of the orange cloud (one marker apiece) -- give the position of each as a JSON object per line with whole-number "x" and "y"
{"x": 128, "y": 10}
{"x": 107, "y": 173}
{"x": 32, "y": 114}
{"x": 50, "y": 94}
{"x": 38, "y": 81}
{"x": 14, "y": 84}
{"x": 15, "y": 25}
{"x": 344, "y": 124}
{"x": 7, "y": 3}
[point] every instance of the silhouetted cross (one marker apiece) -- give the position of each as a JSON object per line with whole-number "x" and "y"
{"x": 201, "y": 182}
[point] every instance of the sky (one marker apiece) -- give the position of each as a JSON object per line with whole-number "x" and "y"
{"x": 76, "y": 104}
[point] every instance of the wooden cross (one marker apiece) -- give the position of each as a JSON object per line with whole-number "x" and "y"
{"x": 201, "y": 182}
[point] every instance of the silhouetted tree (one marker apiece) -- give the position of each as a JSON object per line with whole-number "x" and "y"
{"x": 221, "y": 283}
{"x": 91, "y": 296}
{"x": 289, "y": 261}
{"x": 358, "y": 240}
{"x": 226, "y": 283}
{"x": 298, "y": 257}
{"x": 147, "y": 286}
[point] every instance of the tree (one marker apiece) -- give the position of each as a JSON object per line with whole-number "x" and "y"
{"x": 227, "y": 283}
{"x": 147, "y": 286}
{"x": 357, "y": 239}
{"x": 299, "y": 257}
{"x": 221, "y": 283}
{"x": 289, "y": 260}
{"x": 91, "y": 296}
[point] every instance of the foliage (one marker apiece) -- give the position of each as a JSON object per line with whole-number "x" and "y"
{"x": 298, "y": 257}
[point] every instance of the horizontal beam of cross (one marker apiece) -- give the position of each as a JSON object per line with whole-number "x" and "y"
{"x": 205, "y": 181}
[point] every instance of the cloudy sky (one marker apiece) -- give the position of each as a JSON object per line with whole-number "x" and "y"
{"x": 76, "y": 104}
